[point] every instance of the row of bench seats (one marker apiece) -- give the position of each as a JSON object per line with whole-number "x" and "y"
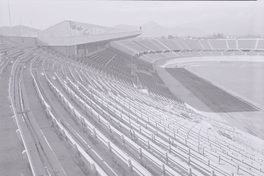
{"x": 150, "y": 83}
{"x": 111, "y": 63}
{"x": 167, "y": 118}
{"x": 161, "y": 45}
{"x": 104, "y": 100}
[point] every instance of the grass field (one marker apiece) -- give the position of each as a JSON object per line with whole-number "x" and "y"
{"x": 243, "y": 78}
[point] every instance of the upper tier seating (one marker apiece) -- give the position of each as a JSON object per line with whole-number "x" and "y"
{"x": 111, "y": 63}
{"x": 170, "y": 44}
{"x": 159, "y": 129}
{"x": 193, "y": 44}
{"x": 232, "y": 44}
{"x": 260, "y": 45}
{"x": 205, "y": 44}
{"x": 181, "y": 44}
{"x": 159, "y": 44}
{"x": 149, "y": 45}
{"x": 246, "y": 44}
{"x": 218, "y": 44}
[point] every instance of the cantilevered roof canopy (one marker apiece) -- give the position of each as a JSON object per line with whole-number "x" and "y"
{"x": 68, "y": 33}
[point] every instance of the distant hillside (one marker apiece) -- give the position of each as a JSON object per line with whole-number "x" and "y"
{"x": 127, "y": 27}
{"x": 18, "y": 30}
{"x": 152, "y": 29}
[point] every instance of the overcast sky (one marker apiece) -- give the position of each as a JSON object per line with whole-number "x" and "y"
{"x": 228, "y": 15}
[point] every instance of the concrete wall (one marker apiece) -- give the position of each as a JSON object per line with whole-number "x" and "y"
{"x": 65, "y": 50}
{"x": 23, "y": 42}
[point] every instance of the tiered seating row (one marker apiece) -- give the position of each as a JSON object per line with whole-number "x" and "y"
{"x": 92, "y": 110}
{"x": 83, "y": 95}
{"x": 260, "y": 45}
{"x": 218, "y": 44}
{"x": 38, "y": 152}
{"x": 247, "y": 44}
{"x": 110, "y": 63}
{"x": 157, "y": 79}
{"x": 148, "y": 81}
{"x": 155, "y": 128}
{"x": 209, "y": 143}
{"x": 221, "y": 159}
{"x": 148, "y": 46}
{"x": 193, "y": 44}
{"x": 5, "y": 47}
{"x": 139, "y": 125}
{"x": 3, "y": 65}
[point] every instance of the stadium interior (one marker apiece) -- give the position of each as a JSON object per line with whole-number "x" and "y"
{"x": 92, "y": 100}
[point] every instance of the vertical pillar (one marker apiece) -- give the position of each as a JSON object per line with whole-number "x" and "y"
{"x": 163, "y": 170}
{"x": 166, "y": 158}
{"x": 148, "y": 146}
{"x": 208, "y": 162}
{"x": 109, "y": 147}
{"x": 189, "y": 171}
{"x": 153, "y": 137}
{"x": 93, "y": 170}
{"x": 188, "y": 159}
{"x": 140, "y": 154}
{"x": 212, "y": 173}
{"x": 130, "y": 164}
{"x": 123, "y": 140}
{"x": 18, "y": 134}
{"x": 94, "y": 134}
{"x": 170, "y": 148}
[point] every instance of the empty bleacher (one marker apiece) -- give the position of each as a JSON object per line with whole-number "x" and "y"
{"x": 170, "y": 44}
{"x": 150, "y": 83}
{"x": 218, "y": 44}
{"x": 181, "y": 44}
{"x": 193, "y": 45}
{"x": 149, "y": 45}
{"x": 260, "y": 45}
{"x": 205, "y": 44}
{"x": 246, "y": 44}
{"x": 134, "y": 132}
{"x": 157, "y": 79}
{"x": 110, "y": 62}
{"x": 232, "y": 44}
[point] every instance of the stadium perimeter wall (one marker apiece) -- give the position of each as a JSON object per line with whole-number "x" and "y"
{"x": 23, "y": 42}
{"x": 160, "y": 65}
{"x": 187, "y": 60}
{"x": 65, "y": 50}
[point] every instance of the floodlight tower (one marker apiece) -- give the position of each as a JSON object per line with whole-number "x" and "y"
{"x": 21, "y": 27}
{"x": 9, "y": 18}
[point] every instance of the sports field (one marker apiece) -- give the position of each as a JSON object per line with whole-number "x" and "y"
{"x": 245, "y": 79}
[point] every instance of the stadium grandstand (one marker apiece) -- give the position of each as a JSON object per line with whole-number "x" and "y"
{"x": 94, "y": 100}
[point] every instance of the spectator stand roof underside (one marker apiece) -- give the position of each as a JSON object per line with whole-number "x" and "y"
{"x": 68, "y": 33}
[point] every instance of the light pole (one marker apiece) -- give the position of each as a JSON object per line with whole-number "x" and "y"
{"x": 9, "y": 18}
{"x": 31, "y": 30}
{"x": 21, "y": 28}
